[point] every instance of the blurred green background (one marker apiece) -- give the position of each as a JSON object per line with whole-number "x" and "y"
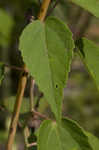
{"x": 81, "y": 97}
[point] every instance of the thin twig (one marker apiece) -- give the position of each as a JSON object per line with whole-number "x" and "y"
{"x": 43, "y": 10}
{"x": 40, "y": 115}
{"x": 15, "y": 116}
{"x": 26, "y": 135}
{"x": 51, "y": 10}
{"x": 32, "y": 144}
{"x": 15, "y": 67}
{"x": 32, "y": 94}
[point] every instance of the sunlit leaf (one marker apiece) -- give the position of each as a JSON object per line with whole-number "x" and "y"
{"x": 47, "y": 52}
{"x": 93, "y": 140}
{"x": 66, "y": 136}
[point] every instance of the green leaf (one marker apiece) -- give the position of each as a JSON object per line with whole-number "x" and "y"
{"x": 1, "y": 72}
{"x": 94, "y": 141}
{"x": 67, "y": 136}
{"x": 47, "y": 52}
{"x": 89, "y": 53}
{"x": 6, "y": 25}
{"x": 90, "y": 5}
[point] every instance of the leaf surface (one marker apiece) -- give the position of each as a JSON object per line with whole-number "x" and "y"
{"x": 93, "y": 140}
{"x": 47, "y": 52}
{"x": 89, "y": 53}
{"x": 90, "y": 5}
{"x": 67, "y": 136}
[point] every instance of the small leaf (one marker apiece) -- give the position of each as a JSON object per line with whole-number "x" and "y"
{"x": 47, "y": 51}
{"x": 89, "y": 53}
{"x": 94, "y": 141}
{"x": 1, "y": 72}
{"x": 67, "y": 136}
{"x": 90, "y": 5}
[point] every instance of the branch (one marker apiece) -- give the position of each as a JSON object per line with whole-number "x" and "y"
{"x": 15, "y": 116}
{"x": 15, "y": 68}
{"x": 40, "y": 115}
{"x": 21, "y": 87}
{"x": 43, "y": 10}
{"x": 32, "y": 94}
{"x": 51, "y": 10}
{"x": 32, "y": 144}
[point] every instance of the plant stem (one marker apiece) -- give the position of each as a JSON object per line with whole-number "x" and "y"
{"x": 15, "y": 116}
{"x": 43, "y": 10}
{"x": 51, "y": 10}
{"x": 21, "y": 87}
{"x": 32, "y": 94}
{"x": 26, "y": 136}
{"x": 32, "y": 144}
{"x": 15, "y": 67}
{"x": 40, "y": 115}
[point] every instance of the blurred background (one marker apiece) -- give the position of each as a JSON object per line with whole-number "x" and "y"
{"x": 81, "y": 97}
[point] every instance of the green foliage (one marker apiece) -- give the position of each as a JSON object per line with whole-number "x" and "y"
{"x": 66, "y": 136}
{"x": 94, "y": 141}
{"x": 5, "y": 27}
{"x": 47, "y": 51}
{"x": 90, "y": 5}
{"x": 89, "y": 53}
